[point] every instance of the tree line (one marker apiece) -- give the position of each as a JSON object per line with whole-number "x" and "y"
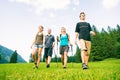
{"x": 106, "y": 44}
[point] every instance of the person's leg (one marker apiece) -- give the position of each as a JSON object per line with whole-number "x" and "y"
{"x": 62, "y": 54}
{"x": 49, "y": 55}
{"x": 65, "y": 55}
{"x": 87, "y": 53}
{"x": 34, "y": 56}
{"x": 83, "y": 56}
{"x": 39, "y": 55}
{"x": 83, "y": 50}
{"x": 45, "y": 55}
{"x": 65, "y": 59}
{"x": 62, "y": 59}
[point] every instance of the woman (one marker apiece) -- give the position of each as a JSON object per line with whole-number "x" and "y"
{"x": 64, "y": 39}
{"x": 38, "y": 46}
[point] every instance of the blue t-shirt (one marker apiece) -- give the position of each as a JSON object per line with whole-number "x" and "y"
{"x": 49, "y": 39}
{"x": 64, "y": 40}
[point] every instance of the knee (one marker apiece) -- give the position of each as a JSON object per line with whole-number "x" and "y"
{"x": 87, "y": 54}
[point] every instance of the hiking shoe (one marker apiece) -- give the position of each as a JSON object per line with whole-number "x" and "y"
{"x": 64, "y": 67}
{"x": 84, "y": 66}
{"x": 87, "y": 67}
{"x": 48, "y": 66}
{"x": 36, "y": 67}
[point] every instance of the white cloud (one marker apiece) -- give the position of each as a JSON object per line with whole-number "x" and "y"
{"x": 76, "y": 2}
{"x": 52, "y": 15}
{"x": 110, "y": 3}
{"x": 41, "y": 5}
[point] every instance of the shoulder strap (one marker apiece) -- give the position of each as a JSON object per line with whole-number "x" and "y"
{"x": 60, "y": 35}
{"x": 66, "y": 35}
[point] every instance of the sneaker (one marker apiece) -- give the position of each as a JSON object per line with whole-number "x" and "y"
{"x": 48, "y": 66}
{"x": 87, "y": 66}
{"x": 84, "y": 66}
{"x": 36, "y": 67}
{"x": 64, "y": 67}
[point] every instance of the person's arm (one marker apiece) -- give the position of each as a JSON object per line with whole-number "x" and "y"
{"x": 53, "y": 42}
{"x": 76, "y": 33}
{"x": 44, "y": 39}
{"x": 33, "y": 41}
{"x": 92, "y": 33}
{"x": 69, "y": 40}
{"x": 76, "y": 37}
{"x": 58, "y": 38}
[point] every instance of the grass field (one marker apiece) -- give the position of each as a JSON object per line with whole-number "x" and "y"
{"x": 104, "y": 70}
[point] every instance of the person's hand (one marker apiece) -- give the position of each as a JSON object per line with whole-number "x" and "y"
{"x": 92, "y": 33}
{"x": 75, "y": 42}
{"x": 53, "y": 44}
{"x": 70, "y": 44}
{"x": 57, "y": 38}
{"x": 31, "y": 46}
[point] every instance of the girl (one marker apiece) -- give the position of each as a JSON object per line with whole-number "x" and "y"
{"x": 64, "y": 39}
{"x": 38, "y": 46}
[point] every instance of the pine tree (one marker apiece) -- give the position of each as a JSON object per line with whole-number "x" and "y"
{"x": 13, "y": 58}
{"x": 0, "y": 56}
{"x": 77, "y": 55}
{"x": 30, "y": 58}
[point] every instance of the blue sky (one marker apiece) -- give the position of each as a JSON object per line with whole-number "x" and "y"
{"x": 19, "y": 19}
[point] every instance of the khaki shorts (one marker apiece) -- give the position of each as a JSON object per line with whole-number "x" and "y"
{"x": 85, "y": 45}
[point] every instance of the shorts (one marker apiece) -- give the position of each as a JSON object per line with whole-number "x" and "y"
{"x": 38, "y": 46}
{"x": 48, "y": 52}
{"x": 64, "y": 49}
{"x": 85, "y": 45}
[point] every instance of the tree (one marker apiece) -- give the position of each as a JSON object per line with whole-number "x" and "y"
{"x": 30, "y": 58}
{"x": 77, "y": 55}
{"x": 13, "y": 58}
{"x": 0, "y": 57}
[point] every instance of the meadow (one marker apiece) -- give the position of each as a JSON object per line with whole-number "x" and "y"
{"x": 108, "y": 69}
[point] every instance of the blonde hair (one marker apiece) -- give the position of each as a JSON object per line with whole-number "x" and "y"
{"x": 63, "y": 28}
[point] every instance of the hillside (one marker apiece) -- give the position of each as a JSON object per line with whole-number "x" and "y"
{"x": 6, "y": 54}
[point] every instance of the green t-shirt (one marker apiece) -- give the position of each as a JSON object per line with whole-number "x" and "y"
{"x": 83, "y": 28}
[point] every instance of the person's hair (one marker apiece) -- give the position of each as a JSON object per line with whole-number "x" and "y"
{"x": 63, "y": 28}
{"x": 82, "y": 13}
{"x": 41, "y": 27}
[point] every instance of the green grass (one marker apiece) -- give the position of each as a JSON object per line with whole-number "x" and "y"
{"x": 104, "y": 70}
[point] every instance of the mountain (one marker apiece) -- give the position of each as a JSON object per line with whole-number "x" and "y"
{"x": 6, "y": 54}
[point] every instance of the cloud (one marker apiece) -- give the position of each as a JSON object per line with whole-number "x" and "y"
{"x": 52, "y": 15}
{"x": 110, "y": 3}
{"x": 41, "y": 5}
{"x": 75, "y": 2}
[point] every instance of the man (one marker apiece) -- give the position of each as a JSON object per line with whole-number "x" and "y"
{"x": 49, "y": 44}
{"x": 83, "y": 31}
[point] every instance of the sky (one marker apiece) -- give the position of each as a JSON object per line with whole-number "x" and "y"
{"x": 19, "y": 19}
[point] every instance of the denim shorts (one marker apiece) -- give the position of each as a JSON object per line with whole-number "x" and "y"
{"x": 38, "y": 46}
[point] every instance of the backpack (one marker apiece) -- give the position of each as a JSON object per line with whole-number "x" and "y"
{"x": 66, "y": 34}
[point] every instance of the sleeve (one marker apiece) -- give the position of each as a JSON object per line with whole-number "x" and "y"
{"x": 77, "y": 28}
{"x": 53, "y": 39}
{"x": 90, "y": 29}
